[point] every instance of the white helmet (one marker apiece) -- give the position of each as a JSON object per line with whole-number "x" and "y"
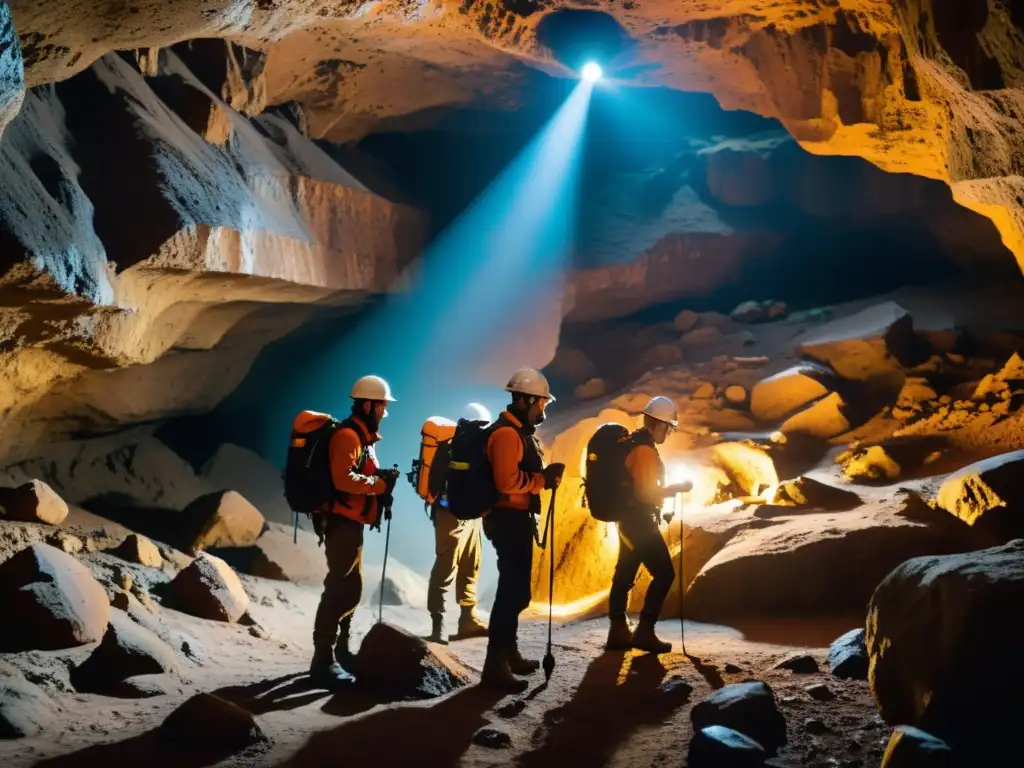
{"x": 662, "y": 409}
{"x": 371, "y": 388}
{"x": 476, "y": 412}
{"x": 530, "y": 382}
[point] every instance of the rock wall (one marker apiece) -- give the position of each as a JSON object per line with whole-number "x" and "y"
{"x": 154, "y": 234}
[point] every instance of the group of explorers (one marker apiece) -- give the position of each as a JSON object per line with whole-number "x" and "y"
{"x": 493, "y": 473}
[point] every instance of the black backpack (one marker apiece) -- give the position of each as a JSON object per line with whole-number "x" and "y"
{"x": 607, "y": 485}
{"x": 469, "y": 480}
{"x": 308, "y": 486}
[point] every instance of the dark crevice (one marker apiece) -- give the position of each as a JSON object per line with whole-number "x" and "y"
{"x": 576, "y": 36}
{"x": 957, "y": 26}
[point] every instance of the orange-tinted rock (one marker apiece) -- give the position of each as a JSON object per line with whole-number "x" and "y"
{"x": 987, "y": 495}
{"x": 222, "y": 519}
{"x": 781, "y": 394}
{"x": 873, "y": 342}
{"x": 33, "y": 502}
{"x": 823, "y": 419}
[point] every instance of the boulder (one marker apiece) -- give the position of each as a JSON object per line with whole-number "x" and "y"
{"x": 848, "y": 656}
{"x": 259, "y": 481}
{"x": 25, "y": 709}
{"x": 786, "y": 392}
{"x": 870, "y": 463}
{"x": 276, "y": 556}
{"x": 33, "y": 502}
{"x": 988, "y": 495}
{"x": 719, "y": 747}
{"x": 823, "y": 419}
{"x": 808, "y": 492}
{"x": 57, "y": 602}
{"x": 207, "y": 721}
{"x": 685, "y": 321}
{"x": 875, "y": 341}
{"x": 127, "y": 650}
{"x": 221, "y": 519}
{"x": 138, "y": 549}
{"x": 748, "y": 466}
{"x": 209, "y": 589}
{"x": 800, "y": 663}
{"x": 910, "y": 747}
{"x": 943, "y": 638}
{"x": 571, "y": 365}
{"x": 394, "y": 661}
{"x": 748, "y": 312}
{"x": 591, "y": 389}
{"x": 810, "y": 564}
{"x": 749, "y": 708}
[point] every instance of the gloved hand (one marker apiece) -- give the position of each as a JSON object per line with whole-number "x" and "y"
{"x": 390, "y": 477}
{"x": 553, "y": 475}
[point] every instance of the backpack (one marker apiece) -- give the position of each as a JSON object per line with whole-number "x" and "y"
{"x": 430, "y": 470}
{"x": 607, "y": 485}
{"x": 469, "y": 484}
{"x": 308, "y": 486}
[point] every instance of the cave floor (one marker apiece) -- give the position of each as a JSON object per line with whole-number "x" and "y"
{"x": 615, "y": 709}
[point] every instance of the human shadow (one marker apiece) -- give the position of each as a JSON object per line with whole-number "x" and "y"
{"x": 434, "y": 733}
{"x": 274, "y": 695}
{"x": 618, "y": 695}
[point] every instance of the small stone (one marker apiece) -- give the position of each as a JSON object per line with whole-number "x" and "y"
{"x": 872, "y": 463}
{"x": 819, "y": 692}
{"x": 748, "y": 312}
{"x": 848, "y": 656}
{"x": 511, "y": 709}
{"x": 800, "y": 663}
{"x": 705, "y": 391}
{"x": 752, "y": 362}
{"x": 492, "y": 738}
{"x": 815, "y": 727}
{"x": 65, "y": 542}
{"x": 685, "y": 321}
{"x": 749, "y": 708}
{"x": 735, "y": 394}
{"x": 139, "y": 549}
{"x": 732, "y": 669}
{"x": 775, "y": 310}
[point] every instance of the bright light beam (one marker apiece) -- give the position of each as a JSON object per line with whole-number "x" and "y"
{"x": 591, "y": 72}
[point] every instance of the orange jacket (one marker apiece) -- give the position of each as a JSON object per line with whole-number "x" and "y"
{"x": 505, "y": 452}
{"x": 648, "y": 474}
{"x": 357, "y": 482}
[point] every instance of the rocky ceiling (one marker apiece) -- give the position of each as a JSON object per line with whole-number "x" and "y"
{"x": 168, "y": 209}
{"x": 929, "y": 87}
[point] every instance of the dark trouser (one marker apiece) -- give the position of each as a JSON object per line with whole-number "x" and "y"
{"x": 343, "y": 587}
{"x": 640, "y": 542}
{"x": 511, "y": 533}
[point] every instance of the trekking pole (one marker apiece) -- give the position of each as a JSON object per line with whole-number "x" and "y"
{"x": 549, "y": 657}
{"x": 295, "y": 529}
{"x": 682, "y": 623}
{"x": 383, "y": 573}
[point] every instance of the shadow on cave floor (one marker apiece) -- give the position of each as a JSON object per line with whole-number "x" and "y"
{"x": 275, "y": 694}
{"x": 152, "y": 750}
{"x": 619, "y": 694}
{"x": 404, "y": 735}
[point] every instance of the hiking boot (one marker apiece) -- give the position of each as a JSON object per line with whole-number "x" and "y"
{"x": 496, "y": 673}
{"x": 620, "y": 635}
{"x": 436, "y": 631}
{"x": 520, "y": 666}
{"x": 325, "y": 672}
{"x": 644, "y": 638}
{"x": 469, "y": 626}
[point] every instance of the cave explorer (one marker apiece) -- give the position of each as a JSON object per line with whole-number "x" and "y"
{"x": 458, "y": 547}
{"x": 517, "y": 466}
{"x": 362, "y": 491}
{"x": 640, "y": 541}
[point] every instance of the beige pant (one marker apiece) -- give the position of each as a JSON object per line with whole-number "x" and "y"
{"x": 457, "y": 549}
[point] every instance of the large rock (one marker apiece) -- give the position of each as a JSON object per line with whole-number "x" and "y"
{"x": 910, "y": 747}
{"x": 259, "y": 481}
{"x": 52, "y": 601}
{"x": 944, "y": 640}
{"x": 33, "y": 502}
{"x": 209, "y": 589}
{"x": 207, "y": 721}
{"x": 276, "y": 556}
{"x": 823, "y": 419}
{"x": 719, "y": 747}
{"x": 138, "y": 549}
{"x": 393, "y": 661}
{"x": 786, "y": 392}
{"x": 988, "y": 495}
{"x": 25, "y": 709}
{"x": 749, "y": 708}
{"x": 222, "y": 519}
{"x": 127, "y": 650}
{"x": 808, "y": 492}
{"x": 808, "y": 565}
{"x": 848, "y": 656}
{"x": 873, "y": 342}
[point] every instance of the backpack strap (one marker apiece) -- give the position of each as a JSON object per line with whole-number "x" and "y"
{"x": 364, "y": 454}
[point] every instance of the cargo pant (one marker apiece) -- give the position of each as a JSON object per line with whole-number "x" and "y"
{"x": 511, "y": 533}
{"x": 343, "y": 586}
{"x": 457, "y": 552}
{"x": 640, "y": 543}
